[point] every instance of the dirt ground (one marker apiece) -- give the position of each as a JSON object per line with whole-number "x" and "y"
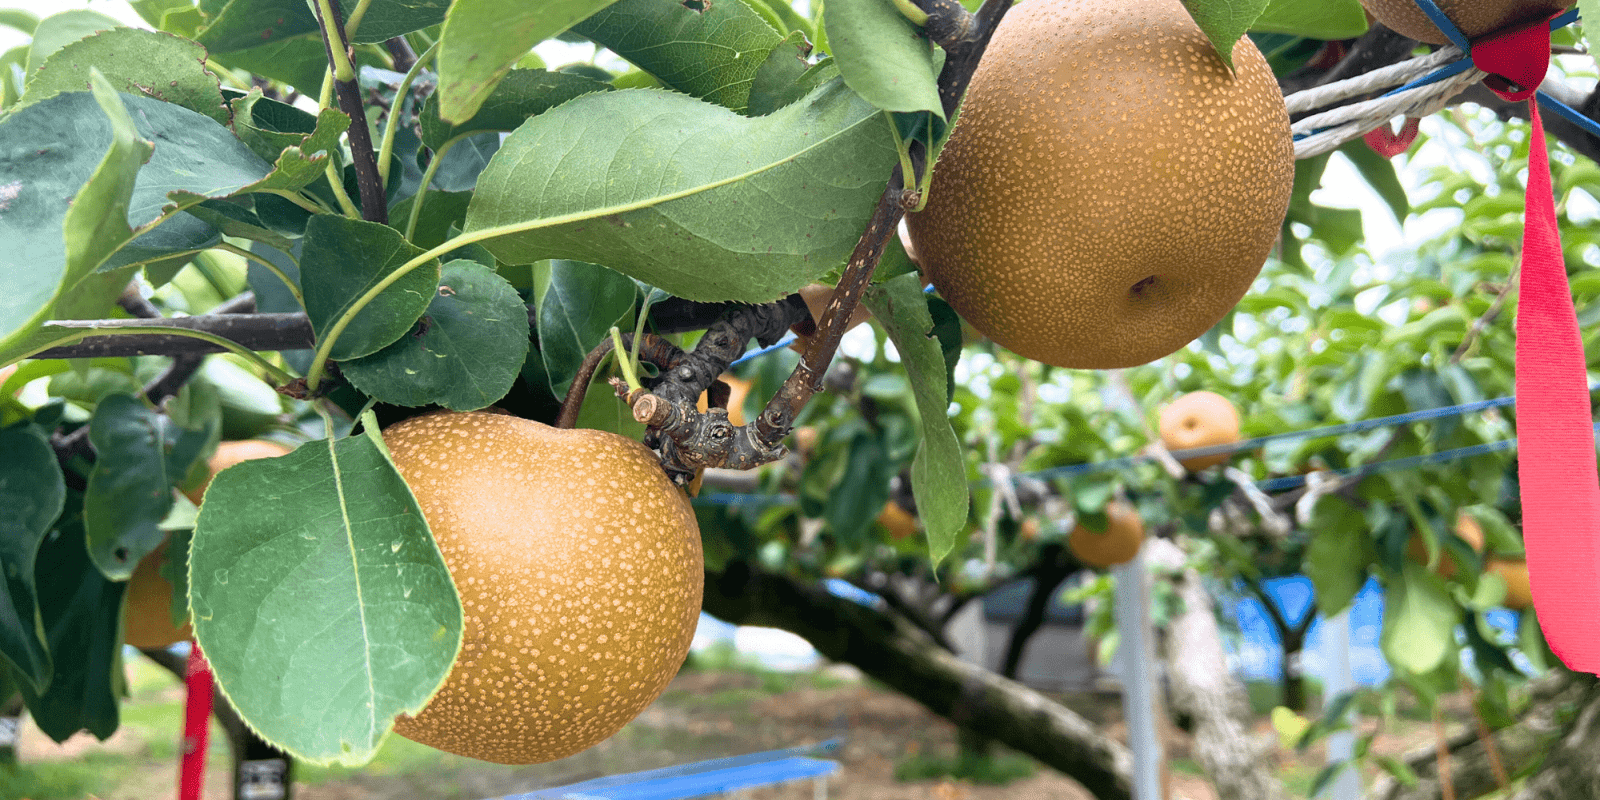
{"x": 702, "y": 715}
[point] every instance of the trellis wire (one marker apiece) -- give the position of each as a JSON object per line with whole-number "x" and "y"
{"x": 1426, "y": 85}
{"x": 1267, "y": 485}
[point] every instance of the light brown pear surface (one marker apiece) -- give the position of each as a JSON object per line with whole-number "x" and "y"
{"x": 233, "y": 452}
{"x": 580, "y": 573}
{"x": 1118, "y": 544}
{"x": 1199, "y": 419}
{"x": 1474, "y": 17}
{"x": 147, "y": 606}
{"x": 1111, "y": 189}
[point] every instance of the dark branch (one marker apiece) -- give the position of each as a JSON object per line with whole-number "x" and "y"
{"x": 259, "y": 332}
{"x": 374, "y": 203}
{"x": 654, "y": 349}
{"x": 891, "y": 649}
{"x": 1055, "y": 565}
{"x": 400, "y": 53}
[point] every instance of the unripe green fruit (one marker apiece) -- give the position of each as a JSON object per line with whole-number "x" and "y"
{"x": 1111, "y": 188}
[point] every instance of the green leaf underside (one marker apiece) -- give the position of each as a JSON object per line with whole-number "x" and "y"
{"x": 59, "y": 30}
{"x": 298, "y": 144}
{"x": 883, "y": 56}
{"x": 687, "y": 196}
{"x": 578, "y": 303}
{"x": 712, "y": 53}
{"x": 320, "y": 599}
{"x": 32, "y": 495}
{"x": 343, "y": 258}
{"x": 138, "y": 62}
{"x": 82, "y": 613}
{"x": 463, "y": 354}
{"x": 1317, "y": 19}
{"x": 242, "y": 24}
{"x": 520, "y": 95}
{"x": 141, "y": 457}
{"x": 938, "y": 472}
{"x": 41, "y": 154}
{"x": 787, "y": 75}
{"x": 1337, "y": 569}
{"x": 67, "y": 143}
{"x": 1224, "y": 21}
{"x": 1419, "y": 621}
{"x": 482, "y": 39}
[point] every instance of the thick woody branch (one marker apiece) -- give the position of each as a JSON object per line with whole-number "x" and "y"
{"x": 374, "y": 203}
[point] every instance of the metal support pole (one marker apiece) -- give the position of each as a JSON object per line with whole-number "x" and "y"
{"x": 1137, "y": 655}
{"x": 1337, "y": 679}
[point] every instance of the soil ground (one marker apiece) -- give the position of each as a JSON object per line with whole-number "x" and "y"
{"x": 705, "y": 713}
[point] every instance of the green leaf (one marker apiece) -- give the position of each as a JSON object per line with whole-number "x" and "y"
{"x": 300, "y": 62}
{"x": 520, "y": 95}
{"x": 939, "y": 471}
{"x": 483, "y": 39}
{"x": 111, "y": 135}
{"x": 788, "y": 75}
{"x": 712, "y": 53}
{"x": 856, "y": 499}
{"x": 578, "y": 303}
{"x": 1318, "y": 19}
{"x": 342, "y": 259}
{"x": 19, "y": 20}
{"x": 240, "y": 222}
{"x": 82, "y": 613}
{"x": 463, "y": 354}
{"x": 59, "y": 30}
{"x": 1588, "y": 10}
{"x": 1380, "y": 174}
{"x": 1224, "y": 21}
{"x": 83, "y": 188}
{"x": 320, "y": 598}
{"x": 1419, "y": 621}
{"x": 1335, "y": 559}
{"x": 152, "y": 63}
{"x": 298, "y": 144}
{"x": 141, "y": 457}
{"x": 883, "y": 56}
{"x": 32, "y": 495}
{"x": 241, "y": 24}
{"x": 719, "y": 207}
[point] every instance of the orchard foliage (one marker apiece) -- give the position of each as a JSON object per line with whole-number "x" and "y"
{"x": 731, "y": 151}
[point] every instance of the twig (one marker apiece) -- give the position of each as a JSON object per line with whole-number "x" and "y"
{"x": 258, "y": 332}
{"x": 183, "y": 367}
{"x": 374, "y": 204}
{"x": 1487, "y": 319}
{"x": 401, "y": 53}
{"x": 134, "y": 303}
{"x": 654, "y": 349}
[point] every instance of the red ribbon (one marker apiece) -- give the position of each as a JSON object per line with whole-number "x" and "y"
{"x": 1555, "y": 428}
{"x": 1389, "y": 143}
{"x": 196, "y": 725}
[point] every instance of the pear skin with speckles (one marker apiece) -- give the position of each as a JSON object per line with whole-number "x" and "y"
{"x": 1473, "y": 17}
{"x": 580, "y": 572}
{"x": 1111, "y": 188}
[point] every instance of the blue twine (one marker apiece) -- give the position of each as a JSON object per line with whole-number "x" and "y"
{"x": 1465, "y": 63}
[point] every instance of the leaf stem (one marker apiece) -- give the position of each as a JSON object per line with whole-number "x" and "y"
{"x": 301, "y": 200}
{"x": 320, "y": 360}
{"x": 917, "y": 16}
{"x": 354, "y": 21}
{"x": 336, "y": 183}
{"x": 427, "y": 180}
{"x": 624, "y": 360}
{"x": 237, "y": 349}
{"x": 386, "y": 148}
{"x": 268, "y": 266}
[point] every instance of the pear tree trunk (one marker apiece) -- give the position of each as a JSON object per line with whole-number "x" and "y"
{"x": 903, "y": 656}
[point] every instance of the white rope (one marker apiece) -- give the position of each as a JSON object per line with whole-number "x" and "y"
{"x": 1330, "y": 129}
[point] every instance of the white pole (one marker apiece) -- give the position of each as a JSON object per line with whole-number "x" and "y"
{"x": 1337, "y": 679}
{"x": 1137, "y": 655}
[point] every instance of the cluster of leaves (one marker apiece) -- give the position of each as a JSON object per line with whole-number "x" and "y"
{"x": 736, "y": 158}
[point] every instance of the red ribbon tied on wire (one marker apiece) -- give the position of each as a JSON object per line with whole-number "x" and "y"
{"x": 1555, "y": 428}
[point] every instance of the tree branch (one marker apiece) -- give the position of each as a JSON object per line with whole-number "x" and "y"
{"x": 1055, "y": 565}
{"x": 1556, "y": 702}
{"x": 374, "y": 202}
{"x": 894, "y": 651}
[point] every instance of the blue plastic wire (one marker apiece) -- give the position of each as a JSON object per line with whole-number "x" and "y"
{"x": 1450, "y": 30}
